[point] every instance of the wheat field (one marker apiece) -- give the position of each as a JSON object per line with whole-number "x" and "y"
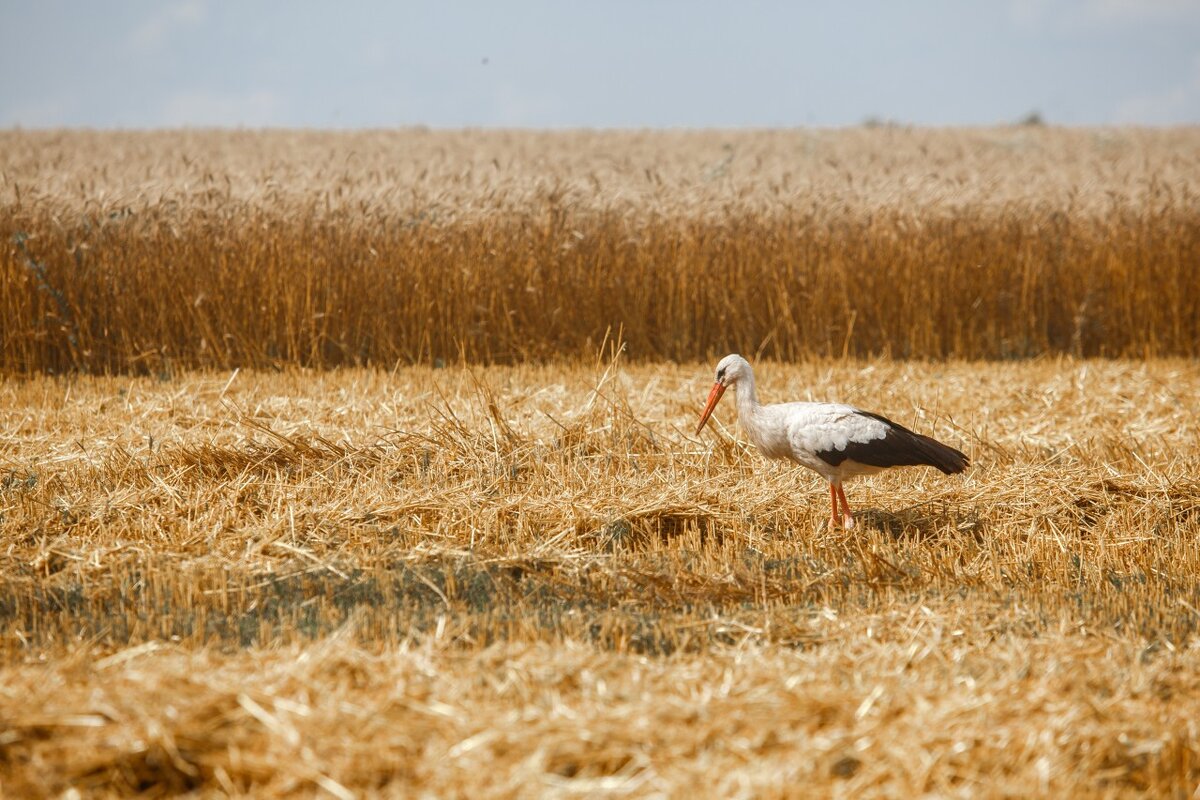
{"x": 533, "y": 580}
{"x": 362, "y": 464}
{"x": 158, "y": 251}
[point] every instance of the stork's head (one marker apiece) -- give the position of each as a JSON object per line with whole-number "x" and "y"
{"x": 730, "y": 370}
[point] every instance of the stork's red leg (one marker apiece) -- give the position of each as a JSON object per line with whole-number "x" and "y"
{"x": 847, "y": 517}
{"x": 833, "y": 517}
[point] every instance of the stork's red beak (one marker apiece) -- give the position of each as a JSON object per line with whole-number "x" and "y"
{"x": 714, "y": 397}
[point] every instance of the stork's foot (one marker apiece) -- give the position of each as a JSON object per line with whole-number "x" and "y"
{"x": 848, "y": 521}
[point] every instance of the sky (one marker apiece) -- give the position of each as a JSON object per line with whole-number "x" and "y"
{"x": 614, "y": 64}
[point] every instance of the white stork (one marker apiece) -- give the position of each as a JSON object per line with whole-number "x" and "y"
{"x": 838, "y": 441}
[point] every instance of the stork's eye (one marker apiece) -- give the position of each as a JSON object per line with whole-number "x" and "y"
{"x": 721, "y": 374}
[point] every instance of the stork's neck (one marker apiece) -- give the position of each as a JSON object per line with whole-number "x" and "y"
{"x": 747, "y": 399}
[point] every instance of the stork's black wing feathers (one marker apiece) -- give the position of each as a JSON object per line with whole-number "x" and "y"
{"x": 900, "y": 447}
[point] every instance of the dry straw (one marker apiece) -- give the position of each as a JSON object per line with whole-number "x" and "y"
{"x": 533, "y": 579}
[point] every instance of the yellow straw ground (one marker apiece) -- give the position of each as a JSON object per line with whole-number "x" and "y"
{"x": 534, "y": 580}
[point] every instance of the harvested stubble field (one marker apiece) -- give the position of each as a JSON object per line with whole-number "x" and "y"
{"x": 504, "y": 581}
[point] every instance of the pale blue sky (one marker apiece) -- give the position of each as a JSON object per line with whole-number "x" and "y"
{"x": 133, "y": 63}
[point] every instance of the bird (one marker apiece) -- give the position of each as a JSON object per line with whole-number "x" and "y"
{"x": 837, "y": 441}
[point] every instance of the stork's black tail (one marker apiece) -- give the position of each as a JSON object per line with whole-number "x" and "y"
{"x": 903, "y": 448}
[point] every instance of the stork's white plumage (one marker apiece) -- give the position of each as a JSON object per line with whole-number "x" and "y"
{"x": 837, "y": 441}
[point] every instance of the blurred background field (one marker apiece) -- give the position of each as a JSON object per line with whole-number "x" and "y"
{"x": 152, "y": 251}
